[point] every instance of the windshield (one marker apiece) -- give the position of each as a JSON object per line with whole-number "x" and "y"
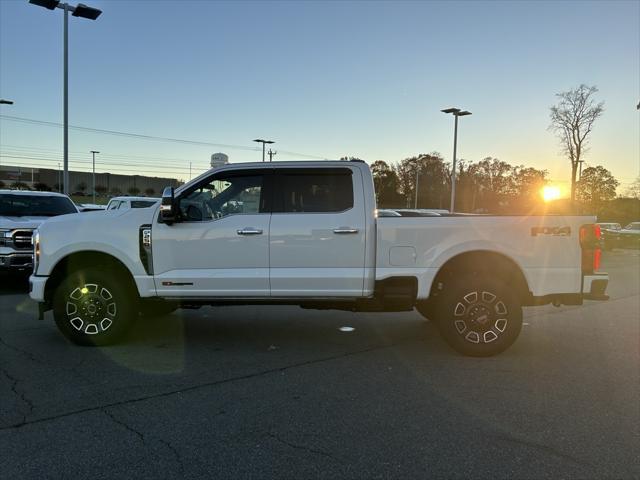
{"x": 34, "y": 206}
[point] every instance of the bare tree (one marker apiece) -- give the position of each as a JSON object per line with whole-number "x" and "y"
{"x": 572, "y": 120}
{"x": 634, "y": 189}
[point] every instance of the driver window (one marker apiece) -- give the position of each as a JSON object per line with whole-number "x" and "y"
{"x": 223, "y": 196}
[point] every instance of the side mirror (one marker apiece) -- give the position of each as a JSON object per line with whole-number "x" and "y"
{"x": 168, "y": 208}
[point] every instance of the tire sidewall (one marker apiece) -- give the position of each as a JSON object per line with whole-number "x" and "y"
{"x": 455, "y": 293}
{"x": 125, "y": 308}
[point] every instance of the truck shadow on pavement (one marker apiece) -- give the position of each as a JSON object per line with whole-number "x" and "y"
{"x": 234, "y": 339}
{"x": 274, "y": 326}
{"x": 13, "y": 284}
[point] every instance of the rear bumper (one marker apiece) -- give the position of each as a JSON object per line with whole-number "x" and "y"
{"x": 594, "y": 287}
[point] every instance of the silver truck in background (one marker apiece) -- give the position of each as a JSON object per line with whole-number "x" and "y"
{"x": 21, "y": 212}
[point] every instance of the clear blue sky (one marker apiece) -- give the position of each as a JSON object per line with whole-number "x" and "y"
{"x": 363, "y": 79}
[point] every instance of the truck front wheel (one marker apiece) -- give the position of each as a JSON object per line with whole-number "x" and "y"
{"x": 93, "y": 307}
{"x": 479, "y": 316}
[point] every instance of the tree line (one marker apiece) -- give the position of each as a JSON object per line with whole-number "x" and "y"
{"x": 81, "y": 189}
{"x": 487, "y": 186}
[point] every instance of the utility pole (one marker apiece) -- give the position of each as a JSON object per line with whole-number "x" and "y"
{"x": 263, "y": 142}
{"x": 189, "y": 171}
{"x": 93, "y": 152}
{"x": 271, "y": 153}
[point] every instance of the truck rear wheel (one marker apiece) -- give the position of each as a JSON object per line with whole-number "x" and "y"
{"x": 479, "y": 316}
{"x": 93, "y": 307}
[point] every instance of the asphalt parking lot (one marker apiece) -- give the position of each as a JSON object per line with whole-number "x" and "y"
{"x": 263, "y": 392}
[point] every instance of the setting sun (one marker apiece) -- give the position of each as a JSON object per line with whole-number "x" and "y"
{"x": 550, "y": 193}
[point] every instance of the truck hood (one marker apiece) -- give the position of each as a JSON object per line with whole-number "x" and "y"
{"x": 93, "y": 224}
{"x": 22, "y": 222}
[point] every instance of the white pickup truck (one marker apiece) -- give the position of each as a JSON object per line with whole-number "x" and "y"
{"x": 307, "y": 233}
{"x": 21, "y": 212}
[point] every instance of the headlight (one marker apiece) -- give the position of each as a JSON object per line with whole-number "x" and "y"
{"x": 35, "y": 239}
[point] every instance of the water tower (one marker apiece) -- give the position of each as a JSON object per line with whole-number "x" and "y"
{"x": 218, "y": 160}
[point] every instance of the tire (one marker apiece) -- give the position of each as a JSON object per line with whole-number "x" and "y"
{"x": 479, "y": 316}
{"x": 157, "y": 308}
{"x": 426, "y": 309}
{"x": 93, "y": 307}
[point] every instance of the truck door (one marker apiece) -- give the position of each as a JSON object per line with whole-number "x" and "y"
{"x": 220, "y": 246}
{"x": 317, "y": 234}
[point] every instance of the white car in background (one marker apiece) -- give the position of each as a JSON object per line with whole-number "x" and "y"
{"x": 91, "y": 207}
{"x": 124, "y": 203}
{"x": 630, "y": 235}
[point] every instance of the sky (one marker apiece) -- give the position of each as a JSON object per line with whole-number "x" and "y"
{"x": 322, "y": 79}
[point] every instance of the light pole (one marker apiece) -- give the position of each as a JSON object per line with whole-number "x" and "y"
{"x": 79, "y": 10}
{"x": 93, "y": 152}
{"x": 5, "y": 102}
{"x": 456, "y": 113}
{"x": 263, "y": 142}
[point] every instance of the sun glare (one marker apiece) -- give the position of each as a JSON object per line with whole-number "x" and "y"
{"x": 550, "y": 193}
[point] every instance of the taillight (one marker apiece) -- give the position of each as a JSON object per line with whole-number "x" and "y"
{"x": 590, "y": 236}
{"x": 597, "y": 255}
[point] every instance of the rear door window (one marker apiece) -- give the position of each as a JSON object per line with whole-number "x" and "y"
{"x": 142, "y": 203}
{"x": 325, "y": 190}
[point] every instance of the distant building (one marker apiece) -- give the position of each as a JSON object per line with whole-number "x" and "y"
{"x": 110, "y": 182}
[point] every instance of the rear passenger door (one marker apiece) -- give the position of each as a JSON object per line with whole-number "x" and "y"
{"x": 317, "y": 233}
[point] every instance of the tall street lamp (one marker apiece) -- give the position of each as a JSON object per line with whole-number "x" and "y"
{"x": 456, "y": 113}
{"x": 82, "y": 11}
{"x": 93, "y": 153}
{"x": 263, "y": 142}
{"x": 5, "y": 102}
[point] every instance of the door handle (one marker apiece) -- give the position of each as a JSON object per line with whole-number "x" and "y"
{"x": 249, "y": 231}
{"x": 345, "y": 230}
